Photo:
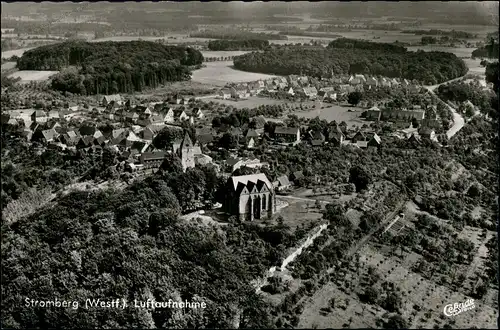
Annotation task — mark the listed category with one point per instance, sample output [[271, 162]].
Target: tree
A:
[[392, 302], [166, 137], [360, 177], [354, 98], [396, 322], [370, 296]]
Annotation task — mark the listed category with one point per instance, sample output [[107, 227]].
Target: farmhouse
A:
[[39, 116], [239, 92], [180, 115], [282, 183], [224, 94], [335, 136], [288, 134], [250, 197], [373, 114], [109, 98], [310, 92]]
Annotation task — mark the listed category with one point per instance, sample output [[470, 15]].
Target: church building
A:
[[250, 197]]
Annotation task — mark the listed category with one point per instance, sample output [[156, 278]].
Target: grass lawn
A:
[[339, 113], [299, 212], [251, 102]]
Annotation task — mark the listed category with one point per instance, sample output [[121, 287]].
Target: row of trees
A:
[[427, 67], [111, 67], [236, 35], [433, 32], [244, 44]]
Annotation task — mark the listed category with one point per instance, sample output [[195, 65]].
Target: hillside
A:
[[345, 56], [111, 67]]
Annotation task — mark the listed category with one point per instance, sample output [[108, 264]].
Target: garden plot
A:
[[428, 296], [348, 312], [299, 212]]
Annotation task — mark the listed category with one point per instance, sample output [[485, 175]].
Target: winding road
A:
[[458, 120]]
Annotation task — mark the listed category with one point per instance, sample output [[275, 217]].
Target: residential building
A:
[[109, 98], [288, 134], [402, 115], [180, 115], [224, 94], [373, 114], [39, 116], [239, 92], [310, 92], [282, 183], [250, 197], [427, 133], [152, 159]]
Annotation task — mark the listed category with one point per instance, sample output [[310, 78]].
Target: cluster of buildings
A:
[[302, 85]]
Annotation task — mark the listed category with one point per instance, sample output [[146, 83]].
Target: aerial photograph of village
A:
[[253, 165]]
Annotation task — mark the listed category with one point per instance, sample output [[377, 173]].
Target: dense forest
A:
[[352, 56], [452, 34], [248, 44], [345, 43], [236, 35], [487, 51], [111, 67]]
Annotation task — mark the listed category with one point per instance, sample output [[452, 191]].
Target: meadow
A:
[[221, 73], [339, 113], [28, 75]]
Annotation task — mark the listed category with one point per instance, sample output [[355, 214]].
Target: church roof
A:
[[250, 180]]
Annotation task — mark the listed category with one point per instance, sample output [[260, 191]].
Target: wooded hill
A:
[[111, 67], [346, 56]]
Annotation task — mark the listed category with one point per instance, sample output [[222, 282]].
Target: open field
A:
[[8, 66], [223, 53], [299, 212], [251, 102], [337, 113], [28, 75], [174, 38], [221, 73], [458, 51], [16, 52]]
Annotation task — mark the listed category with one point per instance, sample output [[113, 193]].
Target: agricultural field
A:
[[221, 73], [15, 52], [174, 38], [339, 113], [29, 75], [251, 102], [8, 66], [222, 53]]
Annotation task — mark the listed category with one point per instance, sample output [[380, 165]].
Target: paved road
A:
[[458, 120]]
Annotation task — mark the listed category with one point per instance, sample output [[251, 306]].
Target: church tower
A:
[[187, 152]]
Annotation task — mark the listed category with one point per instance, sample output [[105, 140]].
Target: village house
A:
[[310, 92], [297, 175], [371, 83], [427, 133], [250, 143], [198, 114], [335, 136], [250, 197], [224, 94], [373, 114], [287, 134], [255, 88], [316, 138], [69, 138], [44, 136], [39, 116], [152, 159], [180, 115], [109, 98], [149, 132], [282, 183], [239, 92]]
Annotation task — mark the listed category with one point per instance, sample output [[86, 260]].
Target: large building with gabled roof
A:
[[250, 197]]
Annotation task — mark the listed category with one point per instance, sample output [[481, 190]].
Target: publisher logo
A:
[[457, 308]]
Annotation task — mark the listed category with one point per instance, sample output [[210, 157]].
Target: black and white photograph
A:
[[249, 165]]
